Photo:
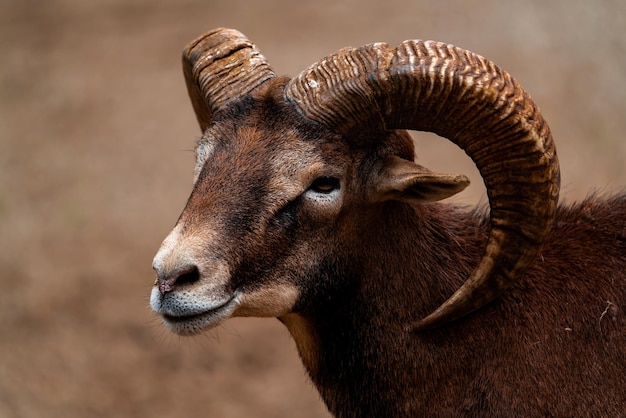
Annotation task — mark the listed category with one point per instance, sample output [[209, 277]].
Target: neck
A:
[[355, 344]]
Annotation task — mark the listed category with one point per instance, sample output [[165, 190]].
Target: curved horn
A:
[[220, 66], [461, 96]]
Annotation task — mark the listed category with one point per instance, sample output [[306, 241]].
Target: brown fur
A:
[[365, 269], [552, 346]]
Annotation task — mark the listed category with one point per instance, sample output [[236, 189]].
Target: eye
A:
[[324, 185]]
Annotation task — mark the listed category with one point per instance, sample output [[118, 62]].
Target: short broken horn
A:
[[221, 66]]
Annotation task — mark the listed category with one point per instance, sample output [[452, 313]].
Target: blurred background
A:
[[96, 161]]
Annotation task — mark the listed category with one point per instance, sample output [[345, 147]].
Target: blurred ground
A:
[[96, 134]]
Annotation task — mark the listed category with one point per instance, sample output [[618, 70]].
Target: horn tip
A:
[[441, 316]]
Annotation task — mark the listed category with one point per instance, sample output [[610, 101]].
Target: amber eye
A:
[[324, 185]]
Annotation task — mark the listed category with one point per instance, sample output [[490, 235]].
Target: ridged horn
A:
[[221, 66], [431, 86]]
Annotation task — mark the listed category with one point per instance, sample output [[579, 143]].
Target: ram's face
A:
[[276, 204], [251, 230]]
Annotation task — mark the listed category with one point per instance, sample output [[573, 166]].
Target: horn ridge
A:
[[341, 88]]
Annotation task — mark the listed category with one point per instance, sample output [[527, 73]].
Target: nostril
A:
[[188, 277], [181, 277]]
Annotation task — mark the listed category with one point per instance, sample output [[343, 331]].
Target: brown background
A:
[[96, 134]]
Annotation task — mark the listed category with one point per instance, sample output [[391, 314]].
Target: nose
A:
[[170, 280]]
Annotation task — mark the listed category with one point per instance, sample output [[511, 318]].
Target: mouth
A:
[[184, 322]]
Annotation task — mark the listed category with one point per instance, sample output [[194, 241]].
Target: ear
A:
[[403, 180]]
